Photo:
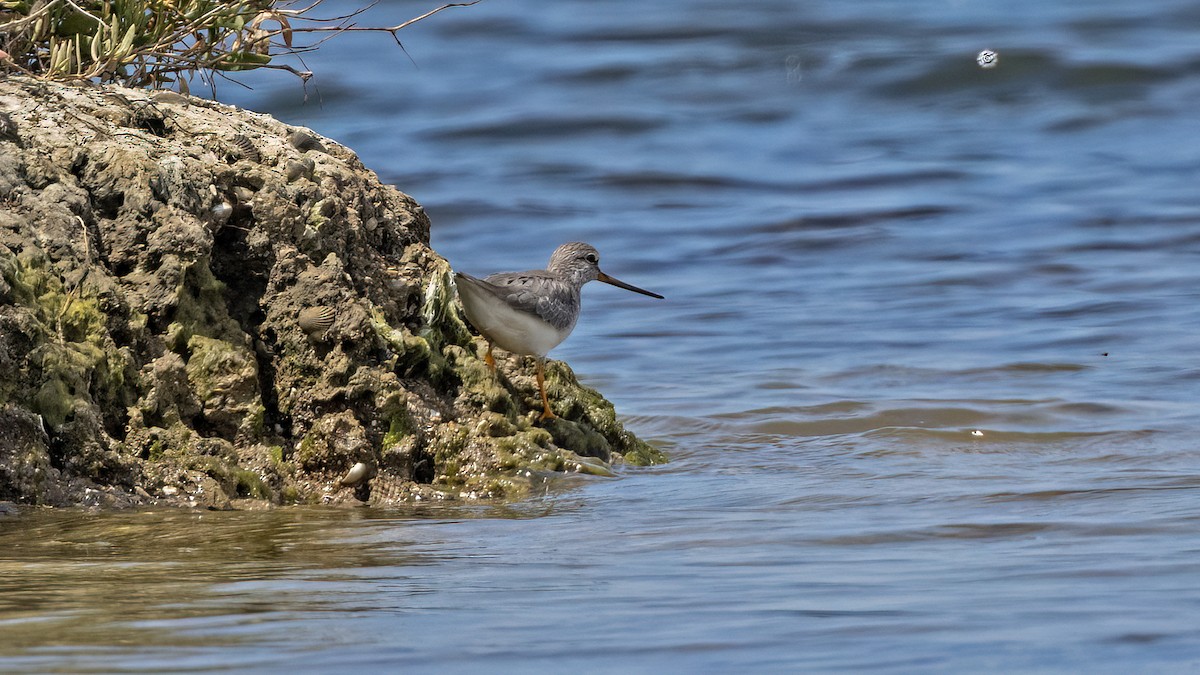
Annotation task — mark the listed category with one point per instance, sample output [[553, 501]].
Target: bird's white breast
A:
[[512, 330]]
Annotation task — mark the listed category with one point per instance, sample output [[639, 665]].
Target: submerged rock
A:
[[187, 317]]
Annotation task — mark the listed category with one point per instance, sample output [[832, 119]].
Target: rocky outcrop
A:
[[202, 305]]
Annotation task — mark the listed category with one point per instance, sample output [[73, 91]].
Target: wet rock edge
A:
[[204, 306]]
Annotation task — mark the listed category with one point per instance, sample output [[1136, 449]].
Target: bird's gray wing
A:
[[540, 293]]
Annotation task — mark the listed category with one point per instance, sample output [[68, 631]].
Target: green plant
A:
[[162, 43]]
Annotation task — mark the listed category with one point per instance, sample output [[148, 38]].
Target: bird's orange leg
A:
[[547, 414], [489, 359]]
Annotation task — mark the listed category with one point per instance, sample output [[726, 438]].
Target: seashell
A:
[[592, 466], [314, 321], [245, 148], [170, 97], [221, 213], [304, 141], [298, 169], [356, 475], [243, 195]]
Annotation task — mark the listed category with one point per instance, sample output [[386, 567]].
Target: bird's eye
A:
[[592, 258]]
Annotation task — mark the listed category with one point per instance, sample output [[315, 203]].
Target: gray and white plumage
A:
[[539, 292], [532, 312]]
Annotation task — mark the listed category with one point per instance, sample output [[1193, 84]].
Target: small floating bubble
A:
[[795, 71], [987, 59]]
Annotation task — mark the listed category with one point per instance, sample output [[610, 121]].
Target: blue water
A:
[[927, 370]]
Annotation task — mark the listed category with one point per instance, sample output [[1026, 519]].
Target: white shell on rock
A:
[[356, 475]]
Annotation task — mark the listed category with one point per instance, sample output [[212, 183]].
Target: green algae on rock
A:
[[186, 319]]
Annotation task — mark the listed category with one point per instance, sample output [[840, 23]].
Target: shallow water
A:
[[927, 368]]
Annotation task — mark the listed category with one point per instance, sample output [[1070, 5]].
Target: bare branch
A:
[[392, 29], [331, 19]]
